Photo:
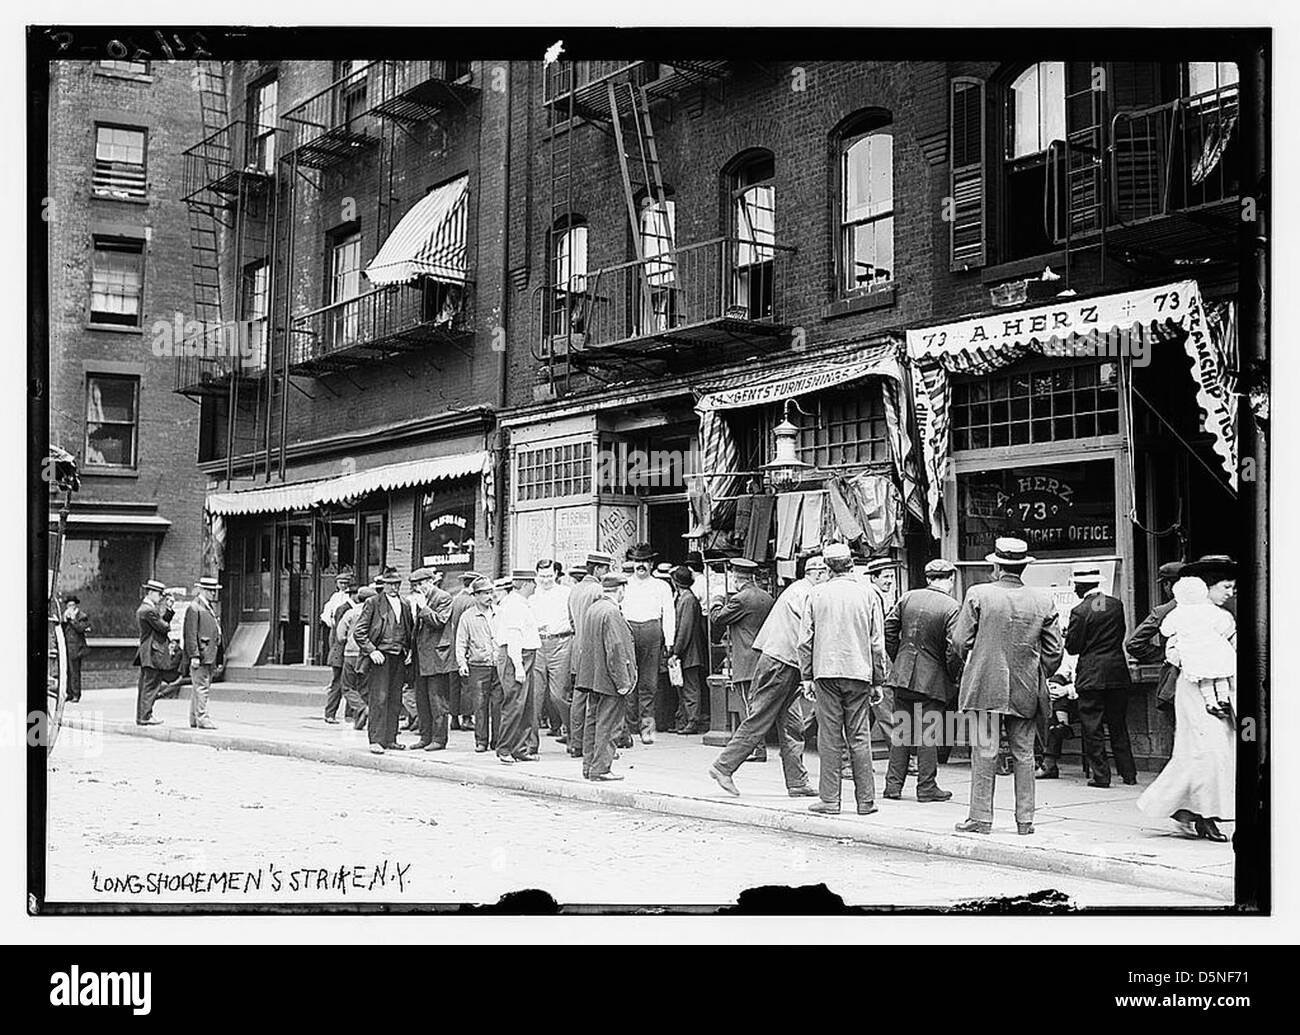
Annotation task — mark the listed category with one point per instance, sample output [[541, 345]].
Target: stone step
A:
[[302, 675]]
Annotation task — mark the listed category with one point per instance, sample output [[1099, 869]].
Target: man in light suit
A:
[[742, 615], [1009, 636], [385, 632], [153, 655], [202, 644], [918, 640], [1095, 635]]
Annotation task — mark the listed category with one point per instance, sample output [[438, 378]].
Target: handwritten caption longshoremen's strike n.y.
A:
[[388, 875]]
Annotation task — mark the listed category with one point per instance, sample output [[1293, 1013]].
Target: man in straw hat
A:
[[1009, 637], [1095, 635], [586, 592], [202, 643], [154, 617]]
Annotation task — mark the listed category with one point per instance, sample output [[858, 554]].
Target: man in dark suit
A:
[[76, 627], [607, 672], [742, 615], [1101, 678], [385, 632], [1148, 646], [584, 594], [153, 655], [201, 640], [434, 657], [690, 647], [924, 673]]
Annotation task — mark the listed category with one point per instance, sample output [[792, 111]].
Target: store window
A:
[[866, 203], [1025, 407], [117, 281], [548, 472], [446, 533], [112, 420], [106, 573], [119, 162], [1059, 509]]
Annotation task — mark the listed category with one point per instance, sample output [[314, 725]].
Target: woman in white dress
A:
[[1197, 789]]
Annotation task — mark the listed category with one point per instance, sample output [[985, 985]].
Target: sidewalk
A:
[[1081, 831]]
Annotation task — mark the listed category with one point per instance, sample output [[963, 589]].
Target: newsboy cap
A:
[[836, 552], [613, 580], [939, 567]]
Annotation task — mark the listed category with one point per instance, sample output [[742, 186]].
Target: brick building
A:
[[117, 239]]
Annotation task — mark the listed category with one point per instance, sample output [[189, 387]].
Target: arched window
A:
[[865, 249], [753, 231], [568, 279], [658, 227]]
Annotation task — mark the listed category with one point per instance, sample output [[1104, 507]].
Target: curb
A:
[[971, 847]]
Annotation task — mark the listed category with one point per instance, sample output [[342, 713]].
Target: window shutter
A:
[[967, 225]]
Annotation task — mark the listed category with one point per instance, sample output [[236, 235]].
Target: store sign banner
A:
[[802, 382]]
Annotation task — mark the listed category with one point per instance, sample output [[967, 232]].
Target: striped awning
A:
[[305, 495], [428, 242]]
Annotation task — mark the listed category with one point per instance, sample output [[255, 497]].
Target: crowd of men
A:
[[584, 656]]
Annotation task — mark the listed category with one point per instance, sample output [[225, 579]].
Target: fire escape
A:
[[363, 113], [672, 304], [230, 200]]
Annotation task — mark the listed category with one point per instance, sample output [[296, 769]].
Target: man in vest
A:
[[385, 631], [582, 596]]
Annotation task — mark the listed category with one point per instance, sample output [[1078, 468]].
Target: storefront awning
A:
[[305, 495], [429, 241], [113, 522], [880, 361], [1072, 328]]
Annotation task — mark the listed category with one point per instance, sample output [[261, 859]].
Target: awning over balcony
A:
[[305, 495], [429, 241]]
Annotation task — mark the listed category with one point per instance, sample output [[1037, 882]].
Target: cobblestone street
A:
[[283, 830]]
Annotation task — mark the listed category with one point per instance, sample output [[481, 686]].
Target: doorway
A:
[[296, 591], [667, 521]]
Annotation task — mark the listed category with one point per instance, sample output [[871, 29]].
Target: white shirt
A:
[[334, 603], [395, 602], [551, 610], [650, 600], [516, 629]]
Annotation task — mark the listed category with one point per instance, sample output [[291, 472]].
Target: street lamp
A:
[[785, 470]]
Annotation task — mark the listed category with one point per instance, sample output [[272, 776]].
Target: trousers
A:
[[517, 710], [771, 692], [691, 701], [648, 642], [578, 722], [482, 687], [384, 693], [1109, 707], [552, 673], [74, 679], [433, 706], [601, 721], [355, 690], [844, 720], [985, 743], [920, 731], [200, 687], [335, 691], [151, 680]]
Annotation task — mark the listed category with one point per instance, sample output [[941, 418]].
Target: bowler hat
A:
[[639, 552], [683, 576], [1009, 550], [613, 580]]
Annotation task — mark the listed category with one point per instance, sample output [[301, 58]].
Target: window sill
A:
[[1020, 268], [103, 195], [90, 325], [130, 77], [109, 472], [878, 299]]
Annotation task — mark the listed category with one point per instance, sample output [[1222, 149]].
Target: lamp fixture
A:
[[785, 470]]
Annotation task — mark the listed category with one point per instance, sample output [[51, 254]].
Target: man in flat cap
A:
[[476, 661], [385, 632], [742, 615], [355, 691], [340, 600], [776, 685], [1095, 635], [1009, 636], [607, 672], [517, 645], [1147, 645], [434, 657], [924, 672], [581, 597], [202, 643], [153, 616]]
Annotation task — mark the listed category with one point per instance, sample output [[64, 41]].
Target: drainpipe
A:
[[503, 312]]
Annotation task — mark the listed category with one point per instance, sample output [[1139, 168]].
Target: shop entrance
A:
[[666, 522], [296, 598]]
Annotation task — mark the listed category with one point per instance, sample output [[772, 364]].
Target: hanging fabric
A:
[[811, 521], [758, 541], [788, 508]]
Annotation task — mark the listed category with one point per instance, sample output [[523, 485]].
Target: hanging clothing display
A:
[[757, 545], [811, 521], [789, 506]]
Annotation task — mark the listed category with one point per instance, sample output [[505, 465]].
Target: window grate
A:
[[550, 472]]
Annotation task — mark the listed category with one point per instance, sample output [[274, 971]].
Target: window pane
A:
[[1038, 104], [116, 282], [106, 575], [868, 177], [869, 254], [756, 224], [111, 399]]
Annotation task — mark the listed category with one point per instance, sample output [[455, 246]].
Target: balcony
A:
[[205, 363], [412, 91], [585, 82], [1173, 176], [214, 168], [701, 302], [334, 125], [388, 321]]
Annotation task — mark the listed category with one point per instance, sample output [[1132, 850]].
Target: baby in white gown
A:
[[1202, 636]]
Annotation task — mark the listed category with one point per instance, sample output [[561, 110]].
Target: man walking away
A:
[[607, 672], [924, 670], [354, 686], [153, 655], [648, 608], [1095, 635], [202, 644], [476, 661], [552, 670], [76, 627], [583, 595], [340, 600], [517, 644], [691, 650], [742, 615], [777, 683], [1009, 637], [432, 608], [385, 632], [463, 704]]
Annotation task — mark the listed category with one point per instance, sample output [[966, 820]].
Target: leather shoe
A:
[[421, 746], [526, 758], [206, 725], [1130, 781], [151, 721], [480, 749], [605, 777], [973, 826], [376, 749], [505, 760], [825, 808], [1094, 783], [435, 747], [893, 795], [934, 796], [331, 720], [724, 781], [1024, 828], [867, 809], [802, 792], [396, 745], [758, 755], [1043, 773], [1209, 830]]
